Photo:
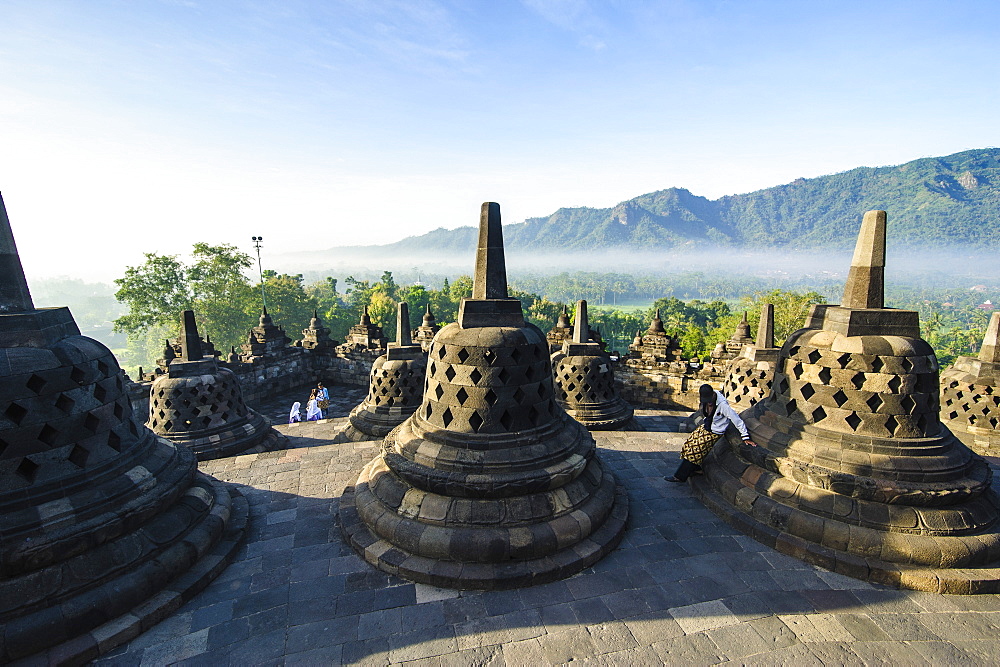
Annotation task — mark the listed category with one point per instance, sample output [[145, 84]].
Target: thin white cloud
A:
[[574, 16]]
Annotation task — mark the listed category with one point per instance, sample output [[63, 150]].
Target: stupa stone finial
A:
[[865, 286], [190, 340], [491, 268], [852, 466], [968, 394], [490, 306], [403, 337], [14, 294], [585, 381], [765, 328], [365, 317], [395, 386], [428, 320], [581, 329], [990, 350], [750, 376]]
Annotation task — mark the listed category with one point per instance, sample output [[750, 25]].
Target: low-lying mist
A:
[[916, 267]]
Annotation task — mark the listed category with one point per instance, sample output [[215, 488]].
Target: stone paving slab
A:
[[682, 588]]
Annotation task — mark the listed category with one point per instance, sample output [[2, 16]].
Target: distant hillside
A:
[[932, 203]]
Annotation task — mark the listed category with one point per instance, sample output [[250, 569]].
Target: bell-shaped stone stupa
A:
[[199, 405], [397, 379], [104, 527], [750, 375], [970, 395], [854, 470], [585, 380], [490, 484]]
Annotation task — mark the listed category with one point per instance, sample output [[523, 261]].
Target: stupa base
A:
[[253, 437], [504, 575], [142, 596], [374, 425], [739, 515], [985, 442], [608, 418]]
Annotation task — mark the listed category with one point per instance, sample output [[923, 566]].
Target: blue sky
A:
[[150, 125]]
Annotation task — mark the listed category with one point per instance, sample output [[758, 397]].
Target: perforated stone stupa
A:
[[199, 405], [105, 528], [490, 484], [395, 390], [585, 380], [970, 395], [854, 470], [749, 376]]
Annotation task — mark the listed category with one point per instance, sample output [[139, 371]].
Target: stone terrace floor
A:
[[682, 588]]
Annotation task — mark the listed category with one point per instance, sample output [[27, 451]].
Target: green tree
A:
[[155, 292], [288, 302], [213, 285]]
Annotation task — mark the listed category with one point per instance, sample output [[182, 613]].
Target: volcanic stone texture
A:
[[204, 411], [970, 395], [490, 484], [748, 381], [104, 527], [394, 393], [585, 381], [750, 375], [585, 386], [855, 471]]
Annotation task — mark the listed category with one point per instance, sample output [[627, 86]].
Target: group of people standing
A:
[[316, 407]]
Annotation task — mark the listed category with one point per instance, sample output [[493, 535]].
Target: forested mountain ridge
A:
[[932, 203]]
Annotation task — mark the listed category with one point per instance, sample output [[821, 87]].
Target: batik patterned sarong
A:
[[698, 445]]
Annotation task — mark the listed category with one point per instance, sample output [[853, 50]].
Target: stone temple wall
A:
[[653, 386], [295, 368], [657, 387]]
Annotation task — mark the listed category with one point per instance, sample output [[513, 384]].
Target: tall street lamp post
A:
[[257, 240]]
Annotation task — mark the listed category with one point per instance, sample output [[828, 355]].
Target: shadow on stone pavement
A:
[[682, 587]]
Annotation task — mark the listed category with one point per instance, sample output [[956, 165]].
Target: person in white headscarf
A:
[[293, 415], [313, 413]]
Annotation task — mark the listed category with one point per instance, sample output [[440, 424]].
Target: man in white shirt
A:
[[718, 415]]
